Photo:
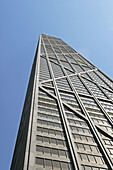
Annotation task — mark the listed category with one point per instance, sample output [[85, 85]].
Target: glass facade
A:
[[67, 119]]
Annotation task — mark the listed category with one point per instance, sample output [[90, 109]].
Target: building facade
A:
[[67, 119]]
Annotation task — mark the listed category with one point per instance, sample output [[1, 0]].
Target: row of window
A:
[[49, 123], [108, 142], [76, 122], [48, 110], [51, 141], [89, 101], [100, 121], [50, 105], [67, 97], [75, 106], [108, 109], [52, 151], [91, 105], [42, 115], [87, 148], [45, 99], [94, 114], [42, 94], [80, 130], [80, 137], [92, 158], [71, 115], [50, 131], [52, 164], [62, 83], [93, 168], [109, 129]]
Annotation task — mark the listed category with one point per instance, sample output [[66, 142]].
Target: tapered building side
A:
[[67, 117]]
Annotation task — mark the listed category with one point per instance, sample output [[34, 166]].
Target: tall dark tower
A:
[[67, 119]]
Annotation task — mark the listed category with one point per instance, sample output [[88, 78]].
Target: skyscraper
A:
[[67, 117]]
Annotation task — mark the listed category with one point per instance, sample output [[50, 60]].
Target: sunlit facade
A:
[[67, 117]]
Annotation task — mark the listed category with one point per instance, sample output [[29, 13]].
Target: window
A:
[[87, 168], [90, 139], [87, 147], [39, 138], [64, 166], [45, 139], [50, 123], [80, 146], [39, 149], [58, 133], [40, 162], [77, 137], [97, 169], [94, 149], [57, 124], [84, 157], [74, 128], [54, 152], [45, 130], [111, 151], [47, 151], [44, 122], [39, 121], [80, 130], [83, 123], [62, 153], [39, 129], [98, 159], [107, 142], [91, 158], [87, 131], [70, 166], [60, 142], [53, 141], [83, 138], [48, 163], [51, 132], [56, 165]]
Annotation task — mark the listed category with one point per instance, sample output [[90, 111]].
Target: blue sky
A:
[[86, 25]]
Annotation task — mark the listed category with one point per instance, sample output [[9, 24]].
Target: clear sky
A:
[[86, 25]]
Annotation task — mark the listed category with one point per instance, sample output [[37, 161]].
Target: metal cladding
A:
[[67, 119]]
